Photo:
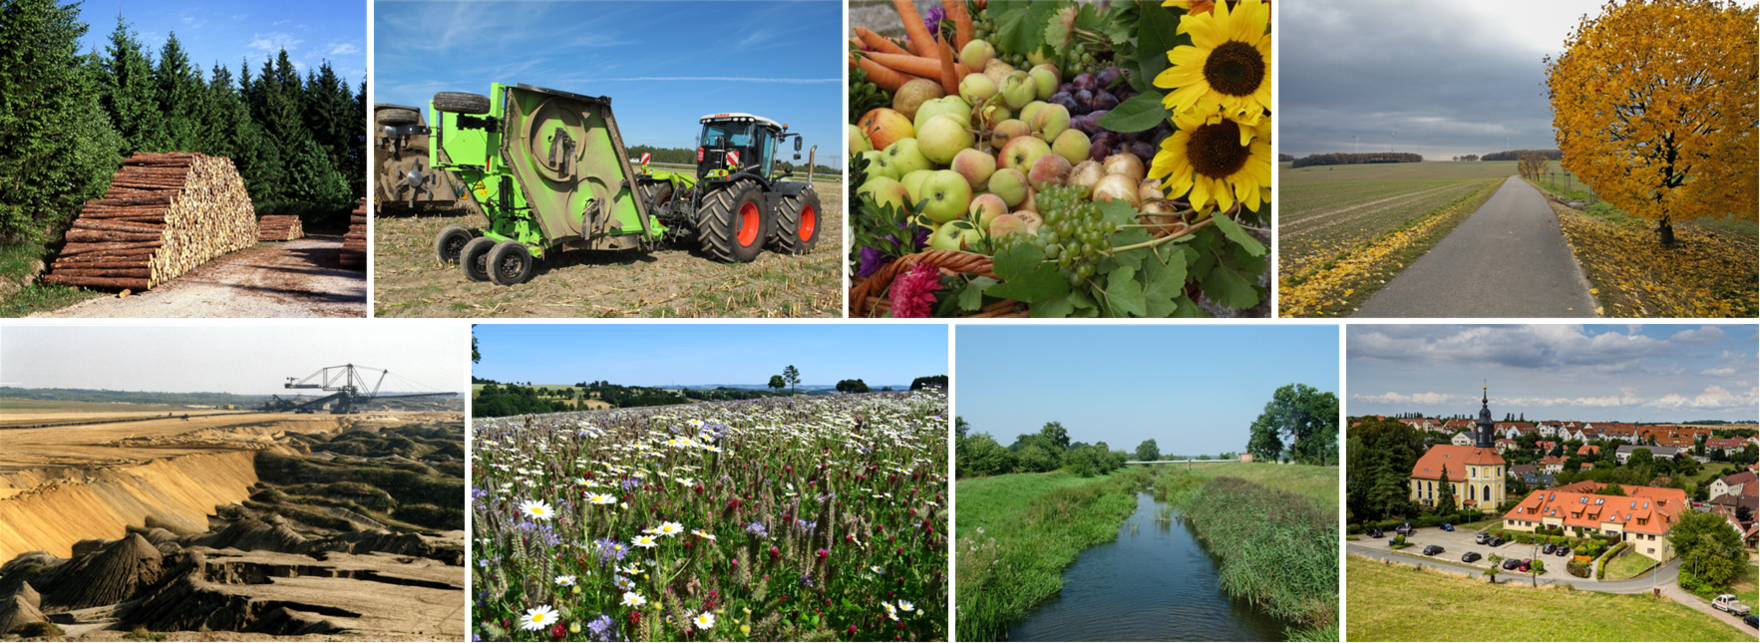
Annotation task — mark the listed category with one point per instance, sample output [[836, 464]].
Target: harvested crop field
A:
[[1328, 209], [410, 282]]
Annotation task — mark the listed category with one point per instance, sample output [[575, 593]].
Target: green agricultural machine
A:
[[550, 172]]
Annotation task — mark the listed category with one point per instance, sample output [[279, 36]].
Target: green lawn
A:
[[1627, 565], [1317, 483], [1401, 603]]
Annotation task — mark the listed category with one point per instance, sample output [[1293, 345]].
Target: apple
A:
[[885, 125], [1006, 224], [1125, 164], [1032, 202], [906, 156], [976, 54], [1021, 151], [994, 112], [1050, 121], [858, 141], [1048, 170], [1117, 186], [948, 196], [913, 94], [1008, 129], [1032, 219], [1086, 173], [1030, 110], [976, 166], [976, 88], [949, 105], [1010, 185], [1149, 189], [879, 165], [957, 235], [1045, 79], [998, 70], [1018, 90], [913, 184], [1072, 144], [985, 208], [941, 138], [1162, 217], [884, 191]]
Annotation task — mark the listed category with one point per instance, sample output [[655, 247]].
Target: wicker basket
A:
[[867, 299]]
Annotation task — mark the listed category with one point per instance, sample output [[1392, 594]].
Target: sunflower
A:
[[1191, 6], [1219, 162], [1228, 68]]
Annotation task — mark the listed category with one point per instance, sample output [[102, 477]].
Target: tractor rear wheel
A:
[[797, 223], [450, 242], [474, 258], [461, 103], [396, 116], [656, 195], [510, 263], [734, 222]]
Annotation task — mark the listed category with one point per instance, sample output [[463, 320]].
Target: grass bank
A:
[[1274, 535], [1017, 533], [1405, 603]]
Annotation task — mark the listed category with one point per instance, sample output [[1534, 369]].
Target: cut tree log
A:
[[163, 215], [279, 227], [354, 244]]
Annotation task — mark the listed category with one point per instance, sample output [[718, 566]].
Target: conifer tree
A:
[[129, 92], [178, 90]]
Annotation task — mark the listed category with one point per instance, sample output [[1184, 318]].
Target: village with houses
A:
[[1656, 509]]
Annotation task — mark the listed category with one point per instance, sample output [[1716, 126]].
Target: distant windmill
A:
[[1393, 140]]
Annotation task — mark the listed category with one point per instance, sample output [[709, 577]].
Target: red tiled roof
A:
[[1650, 510], [1454, 458], [1588, 449]]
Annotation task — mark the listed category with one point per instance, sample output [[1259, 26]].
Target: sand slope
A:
[[178, 492]]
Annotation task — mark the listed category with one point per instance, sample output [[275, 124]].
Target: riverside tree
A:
[[1653, 105], [1303, 418], [1148, 451]]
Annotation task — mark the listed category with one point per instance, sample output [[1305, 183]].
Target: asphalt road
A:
[[1509, 259]]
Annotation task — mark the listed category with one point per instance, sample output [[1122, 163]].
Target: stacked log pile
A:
[[279, 227], [354, 244], [164, 215]]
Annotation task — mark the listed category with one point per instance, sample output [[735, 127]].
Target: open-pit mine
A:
[[130, 522]]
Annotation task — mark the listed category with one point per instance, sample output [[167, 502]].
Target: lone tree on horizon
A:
[[776, 382], [1148, 451], [793, 376], [1653, 105]]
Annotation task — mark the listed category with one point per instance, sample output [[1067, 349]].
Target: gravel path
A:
[[293, 279]]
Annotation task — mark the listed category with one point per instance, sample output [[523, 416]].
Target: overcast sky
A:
[[1655, 373], [1194, 389], [1452, 77], [242, 359]]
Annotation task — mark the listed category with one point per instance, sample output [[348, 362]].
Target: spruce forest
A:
[[68, 119]]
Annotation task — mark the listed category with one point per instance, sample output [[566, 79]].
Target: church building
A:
[[1474, 472]]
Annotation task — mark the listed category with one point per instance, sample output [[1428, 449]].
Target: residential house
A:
[[1625, 452], [1513, 430], [1457, 424], [1462, 439], [1621, 432], [1532, 476], [1732, 484], [1552, 464], [1505, 444], [1589, 450], [1641, 518], [1545, 446], [1729, 447]]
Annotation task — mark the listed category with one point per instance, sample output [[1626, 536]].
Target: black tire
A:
[[450, 242], [396, 116], [656, 194], [474, 258], [461, 103], [797, 223], [734, 222], [510, 263]]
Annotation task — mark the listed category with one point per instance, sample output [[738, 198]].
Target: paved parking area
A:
[[1460, 541]]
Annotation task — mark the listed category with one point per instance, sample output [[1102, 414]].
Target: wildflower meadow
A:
[[799, 519]]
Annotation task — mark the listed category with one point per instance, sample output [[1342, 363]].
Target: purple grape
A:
[[1124, 94], [1144, 151], [1084, 81], [1097, 151], [1108, 76], [1105, 100], [1067, 88], [1085, 98], [1067, 101], [1085, 124], [1097, 114]]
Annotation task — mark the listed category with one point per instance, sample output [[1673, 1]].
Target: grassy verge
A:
[[1016, 534], [1274, 536], [1626, 565], [1406, 603], [16, 262], [1338, 286]]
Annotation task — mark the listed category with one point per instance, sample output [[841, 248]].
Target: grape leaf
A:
[[1020, 26], [1055, 307], [971, 297], [1140, 112], [1118, 211], [1025, 276], [1234, 233], [1124, 294], [1225, 285], [1157, 34], [1164, 284]]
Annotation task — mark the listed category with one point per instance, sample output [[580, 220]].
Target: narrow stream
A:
[[1155, 583]]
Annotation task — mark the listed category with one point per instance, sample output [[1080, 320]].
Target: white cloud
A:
[[1701, 336], [1391, 397], [272, 42], [1713, 397], [1725, 371], [344, 49]]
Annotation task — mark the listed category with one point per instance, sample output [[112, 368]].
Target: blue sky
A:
[[665, 354], [1192, 388], [664, 64], [1614, 373], [225, 31]]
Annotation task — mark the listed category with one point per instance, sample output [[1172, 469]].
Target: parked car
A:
[[1470, 557], [1375, 532], [1548, 548], [1511, 563], [1480, 538], [1446, 527], [1526, 564], [1433, 550], [1727, 603], [1496, 542], [1750, 620], [1404, 529], [1562, 551]]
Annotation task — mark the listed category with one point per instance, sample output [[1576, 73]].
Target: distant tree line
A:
[[1467, 157], [1516, 155], [128, 397], [1050, 449], [937, 381], [853, 386], [1285, 157], [1342, 158]]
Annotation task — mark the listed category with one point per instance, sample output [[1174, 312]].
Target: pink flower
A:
[[913, 293]]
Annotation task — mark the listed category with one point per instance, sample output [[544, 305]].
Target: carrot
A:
[[922, 43], [882, 76], [949, 70], [929, 67], [962, 22], [877, 42]]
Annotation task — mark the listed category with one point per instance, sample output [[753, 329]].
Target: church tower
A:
[[1485, 433]]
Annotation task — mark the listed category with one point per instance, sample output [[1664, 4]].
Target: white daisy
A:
[[632, 599], [704, 621], [670, 529], [645, 542], [906, 605], [600, 499], [565, 581], [702, 534], [538, 617], [537, 509]]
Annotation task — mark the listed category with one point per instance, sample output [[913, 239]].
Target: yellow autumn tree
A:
[[1531, 164], [1653, 104]]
